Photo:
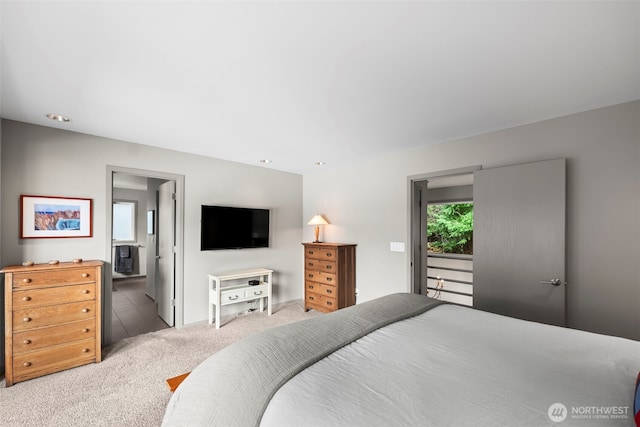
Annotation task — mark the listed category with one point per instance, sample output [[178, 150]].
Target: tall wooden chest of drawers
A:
[[329, 276], [52, 318]]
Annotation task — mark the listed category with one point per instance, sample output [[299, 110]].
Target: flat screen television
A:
[[225, 227]]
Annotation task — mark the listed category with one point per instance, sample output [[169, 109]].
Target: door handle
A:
[[157, 256], [555, 282]]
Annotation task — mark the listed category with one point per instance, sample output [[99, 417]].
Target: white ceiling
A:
[[298, 82]]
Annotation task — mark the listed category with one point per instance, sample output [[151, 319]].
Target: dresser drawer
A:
[[53, 335], [46, 361], [51, 315], [319, 265], [50, 296], [320, 253], [321, 277], [54, 277], [321, 289], [320, 302]]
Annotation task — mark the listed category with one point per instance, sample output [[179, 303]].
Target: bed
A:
[[408, 360]]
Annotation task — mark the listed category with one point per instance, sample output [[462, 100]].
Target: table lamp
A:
[[317, 220]]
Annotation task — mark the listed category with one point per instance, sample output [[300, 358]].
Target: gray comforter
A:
[[234, 386], [397, 362]]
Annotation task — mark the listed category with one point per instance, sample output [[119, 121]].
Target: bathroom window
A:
[[124, 221]]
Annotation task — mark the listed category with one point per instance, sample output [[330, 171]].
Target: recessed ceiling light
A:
[[265, 161], [320, 163], [58, 117]]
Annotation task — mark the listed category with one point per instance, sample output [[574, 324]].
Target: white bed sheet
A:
[[453, 366]]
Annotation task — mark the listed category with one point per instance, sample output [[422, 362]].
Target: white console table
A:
[[219, 296]]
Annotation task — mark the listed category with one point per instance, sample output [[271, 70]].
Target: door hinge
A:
[[173, 196], [173, 303]]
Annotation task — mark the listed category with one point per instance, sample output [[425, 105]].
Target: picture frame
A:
[[55, 217]]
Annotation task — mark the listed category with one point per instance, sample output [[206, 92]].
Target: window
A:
[[450, 228], [124, 221]]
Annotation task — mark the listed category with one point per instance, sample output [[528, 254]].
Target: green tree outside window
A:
[[450, 228]]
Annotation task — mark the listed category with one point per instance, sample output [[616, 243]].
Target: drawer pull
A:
[[85, 291], [85, 350], [85, 330], [329, 291], [85, 310], [311, 298], [27, 319], [310, 286], [310, 264], [85, 274], [329, 254], [329, 267], [26, 342], [26, 298], [235, 297], [310, 252], [27, 280], [329, 279], [257, 293], [309, 275], [329, 303], [26, 364]]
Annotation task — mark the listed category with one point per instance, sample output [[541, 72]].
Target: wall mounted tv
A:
[[225, 227]]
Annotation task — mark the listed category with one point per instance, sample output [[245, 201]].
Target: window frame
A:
[[133, 219]]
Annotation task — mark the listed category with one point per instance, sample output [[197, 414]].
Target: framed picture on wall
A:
[[50, 217]]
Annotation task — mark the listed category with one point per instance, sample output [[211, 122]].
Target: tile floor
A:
[[134, 313]]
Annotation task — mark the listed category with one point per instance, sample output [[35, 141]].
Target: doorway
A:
[[519, 238], [139, 292], [442, 270]]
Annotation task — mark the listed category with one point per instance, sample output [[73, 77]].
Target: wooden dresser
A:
[[52, 318], [329, 276]]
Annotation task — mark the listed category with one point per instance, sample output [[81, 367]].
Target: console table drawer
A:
[[258, 291], [231, 296], [244, 293]]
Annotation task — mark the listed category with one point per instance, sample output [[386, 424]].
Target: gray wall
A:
[[44, 161], [367, 203]]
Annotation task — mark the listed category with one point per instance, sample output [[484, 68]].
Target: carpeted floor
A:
[[128, 387]]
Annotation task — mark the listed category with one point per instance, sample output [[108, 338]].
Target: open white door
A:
[[519, 241], [165, 279]]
